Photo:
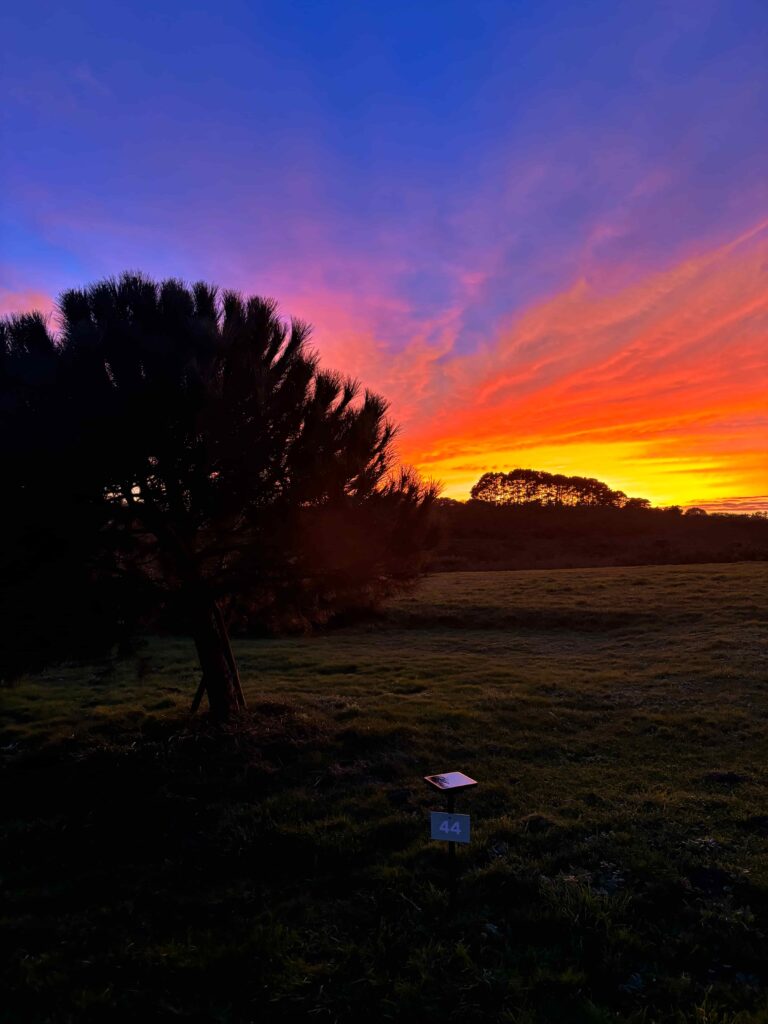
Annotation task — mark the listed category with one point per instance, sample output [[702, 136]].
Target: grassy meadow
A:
[[616, 719]]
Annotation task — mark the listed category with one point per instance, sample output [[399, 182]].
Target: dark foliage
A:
[[179, 449], [535, 487], [480, 535], [52, 600]]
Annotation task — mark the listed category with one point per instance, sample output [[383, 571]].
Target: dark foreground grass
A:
[[617, 720]]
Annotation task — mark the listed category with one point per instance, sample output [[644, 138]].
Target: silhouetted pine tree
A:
[[194, 452]]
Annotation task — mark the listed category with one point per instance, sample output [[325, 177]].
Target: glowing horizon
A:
[[688, 380], [707, 452]]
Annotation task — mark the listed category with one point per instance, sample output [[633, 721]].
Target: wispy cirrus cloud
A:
[[738, 506], [659, 386]]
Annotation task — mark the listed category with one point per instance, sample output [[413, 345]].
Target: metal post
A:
[[450, 783], [451, 861]]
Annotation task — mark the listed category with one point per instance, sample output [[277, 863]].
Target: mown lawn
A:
[[617, 720]]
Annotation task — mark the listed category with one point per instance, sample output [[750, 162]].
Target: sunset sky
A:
[[539, 228]]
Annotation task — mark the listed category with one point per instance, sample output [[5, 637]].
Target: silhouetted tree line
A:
[[536, 487], [179, 452], [479, 535]]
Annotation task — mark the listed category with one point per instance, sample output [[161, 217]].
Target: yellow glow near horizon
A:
[[627, 466], [659, 387]]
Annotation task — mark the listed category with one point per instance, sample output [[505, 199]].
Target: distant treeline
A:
[[536, 487], [477, 535]]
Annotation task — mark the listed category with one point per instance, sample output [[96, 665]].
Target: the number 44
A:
[[448, 827]]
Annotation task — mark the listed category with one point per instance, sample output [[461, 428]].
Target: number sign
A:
[[451, 828]]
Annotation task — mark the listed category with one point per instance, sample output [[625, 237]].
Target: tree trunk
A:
[[220, 677], [222, 626]]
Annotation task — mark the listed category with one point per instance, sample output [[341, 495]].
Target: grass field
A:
[[617, 720]]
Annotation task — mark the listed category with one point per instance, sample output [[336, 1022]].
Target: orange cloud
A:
[[659, 387]]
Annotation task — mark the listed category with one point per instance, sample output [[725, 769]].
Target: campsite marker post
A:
[[448, 826]]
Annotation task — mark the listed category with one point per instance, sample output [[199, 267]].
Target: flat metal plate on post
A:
[[451, 828], [450, 781]]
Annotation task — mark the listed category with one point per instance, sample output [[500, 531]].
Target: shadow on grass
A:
[[279, 870]]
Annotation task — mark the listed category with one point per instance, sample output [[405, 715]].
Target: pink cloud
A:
[[658, 383], [653, 384], [24, 301]]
